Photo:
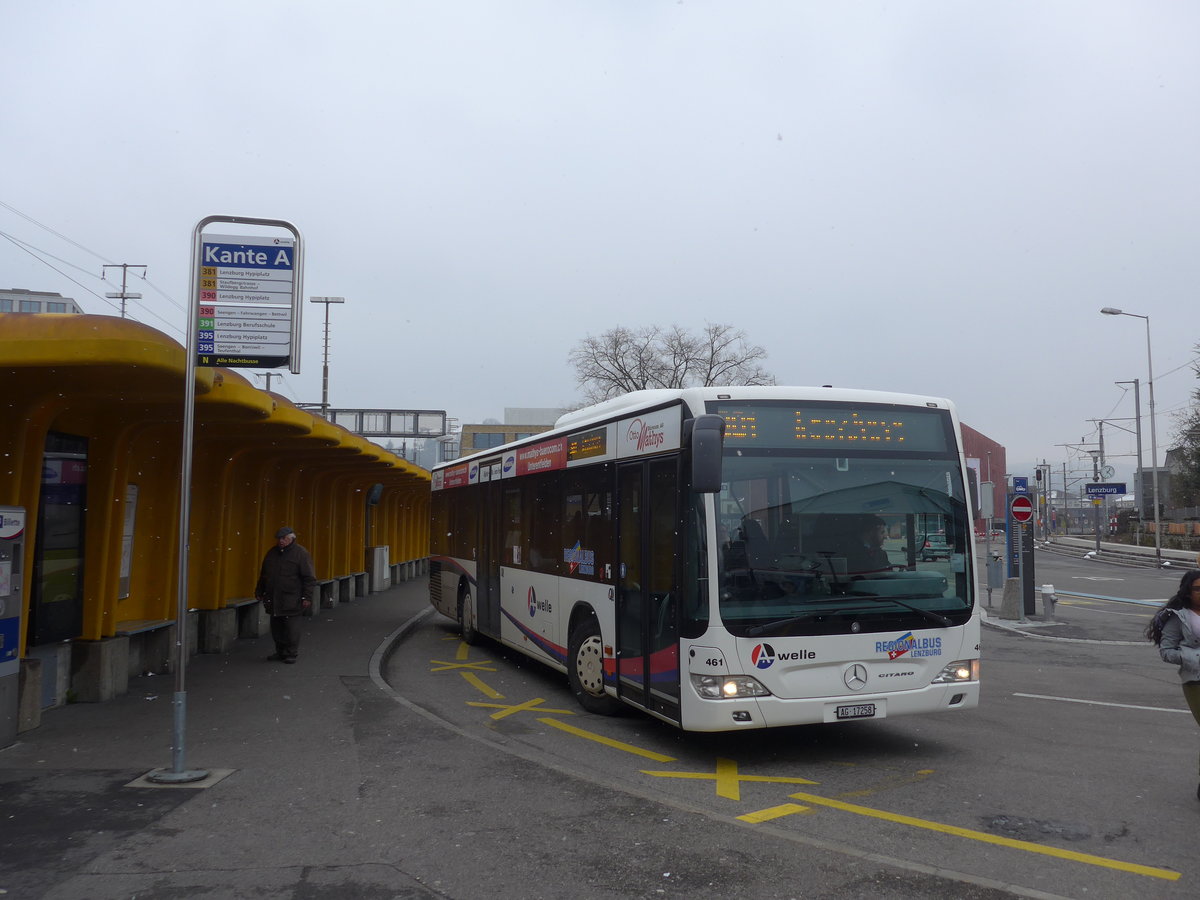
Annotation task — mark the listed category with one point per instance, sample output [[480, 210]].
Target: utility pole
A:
[[1096, 455], [268, 376], [1082, 494], [325, 367], [1102, 509], [1049, 495], [1067, 499], [1106, 471], [124, 295], [1110, 311], [1043, 480], [1139, 488]]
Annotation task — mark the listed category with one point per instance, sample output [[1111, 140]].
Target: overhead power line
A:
[[20, 246], [57, 234], [42, 255]]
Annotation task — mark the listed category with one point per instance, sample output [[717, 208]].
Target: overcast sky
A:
[[932, 197]]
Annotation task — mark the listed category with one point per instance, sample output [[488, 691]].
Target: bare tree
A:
[[726, 358], [623, 359], [1185, 480]]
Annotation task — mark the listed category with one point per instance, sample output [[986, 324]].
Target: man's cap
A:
[[283, 532]]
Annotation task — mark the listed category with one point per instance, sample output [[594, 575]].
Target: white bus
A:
[[724, 558]]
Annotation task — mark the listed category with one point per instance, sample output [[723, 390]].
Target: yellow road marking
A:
[[920, 776], [478, 683], [728, 781], [440, 665], [506, 710], [774, 812], [607, 741], [1029, 846]]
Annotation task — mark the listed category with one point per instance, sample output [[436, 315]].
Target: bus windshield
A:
[[812, 544]]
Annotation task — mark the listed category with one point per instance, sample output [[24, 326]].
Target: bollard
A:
[[1048, 600], [1011, 606]]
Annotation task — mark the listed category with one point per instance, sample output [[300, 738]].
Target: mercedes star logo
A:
[[856, 677]]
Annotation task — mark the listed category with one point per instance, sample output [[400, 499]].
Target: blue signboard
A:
[[1101, 489], [1020, 484], [273, 253]]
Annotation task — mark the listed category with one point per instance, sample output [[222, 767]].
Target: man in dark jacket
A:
[[285, 586]]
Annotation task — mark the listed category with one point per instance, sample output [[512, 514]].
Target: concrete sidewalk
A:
[[71, 827]]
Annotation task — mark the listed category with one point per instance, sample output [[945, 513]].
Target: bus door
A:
[[490, 559], [647, 593]]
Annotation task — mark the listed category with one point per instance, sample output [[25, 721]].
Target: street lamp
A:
[[1110, 311]]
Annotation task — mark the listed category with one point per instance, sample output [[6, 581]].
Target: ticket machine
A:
[[12, 549]]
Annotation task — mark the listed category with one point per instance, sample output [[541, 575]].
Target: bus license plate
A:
[[858, 711]]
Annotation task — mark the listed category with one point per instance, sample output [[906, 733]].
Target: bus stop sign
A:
[[1022, 508]]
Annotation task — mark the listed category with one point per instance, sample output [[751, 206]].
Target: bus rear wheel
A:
[[466, 624], [585, 669]]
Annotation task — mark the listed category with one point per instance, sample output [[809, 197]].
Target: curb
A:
[[1002, 625]]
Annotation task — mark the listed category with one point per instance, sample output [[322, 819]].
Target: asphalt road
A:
[[1096, 600], [1075, 777], [473, 774]]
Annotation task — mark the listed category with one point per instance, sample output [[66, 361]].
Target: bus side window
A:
[[590, 494], [513, 534], [542, 526]]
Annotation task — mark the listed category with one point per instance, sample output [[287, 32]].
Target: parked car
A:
[[935, 547]]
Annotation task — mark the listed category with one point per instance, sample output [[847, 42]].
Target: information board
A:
[[247, 295]]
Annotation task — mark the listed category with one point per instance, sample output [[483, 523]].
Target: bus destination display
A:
[[587, 444], [834, 426]]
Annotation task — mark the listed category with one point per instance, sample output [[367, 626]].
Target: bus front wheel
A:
[[585, 669], [466, 624]]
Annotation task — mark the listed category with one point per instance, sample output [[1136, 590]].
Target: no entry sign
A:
[[1022, 508]]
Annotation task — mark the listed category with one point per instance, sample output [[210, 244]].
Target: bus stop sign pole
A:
[[179, 773]]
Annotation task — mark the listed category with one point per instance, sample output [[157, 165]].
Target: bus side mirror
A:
[[707, 440], [973, 483]]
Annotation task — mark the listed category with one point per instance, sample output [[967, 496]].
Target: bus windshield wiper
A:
[[927, 613]]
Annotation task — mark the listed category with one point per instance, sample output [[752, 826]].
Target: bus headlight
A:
[[728, 687], [963, 670]]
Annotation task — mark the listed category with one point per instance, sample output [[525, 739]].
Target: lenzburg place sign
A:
[[1102, 489]]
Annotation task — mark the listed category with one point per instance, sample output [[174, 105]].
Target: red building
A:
[[988, 460]]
